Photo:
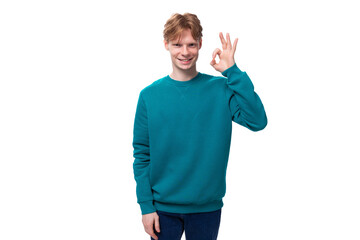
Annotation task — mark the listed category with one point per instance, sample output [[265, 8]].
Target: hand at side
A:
[[148, 221]]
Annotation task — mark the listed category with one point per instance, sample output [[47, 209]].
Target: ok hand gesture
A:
[[226, 56]]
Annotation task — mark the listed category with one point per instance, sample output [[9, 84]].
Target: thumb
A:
[[157, 224]]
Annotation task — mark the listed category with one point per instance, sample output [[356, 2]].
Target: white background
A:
[[71, 73]]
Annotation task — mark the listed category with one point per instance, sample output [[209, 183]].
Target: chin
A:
[[185, 67]]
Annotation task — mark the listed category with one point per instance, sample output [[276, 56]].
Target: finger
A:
[[157, 224], [228, 40], [223, 42], [213, 62], [235, 43], [150, 231], [216, 51], [153, 235]]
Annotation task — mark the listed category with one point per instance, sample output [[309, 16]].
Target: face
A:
[[184, 51]]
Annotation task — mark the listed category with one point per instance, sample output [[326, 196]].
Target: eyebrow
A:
[[188, 43]]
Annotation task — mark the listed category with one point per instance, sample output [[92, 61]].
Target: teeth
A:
[[184, 59]]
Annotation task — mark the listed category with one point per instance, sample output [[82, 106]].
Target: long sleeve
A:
[[142, 158], [245, 105]]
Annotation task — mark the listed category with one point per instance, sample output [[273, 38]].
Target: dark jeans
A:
[[197, 226]]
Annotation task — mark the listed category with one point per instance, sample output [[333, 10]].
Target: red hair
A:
[[178, 22]]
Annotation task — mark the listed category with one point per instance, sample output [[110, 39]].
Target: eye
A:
[[176, 45]]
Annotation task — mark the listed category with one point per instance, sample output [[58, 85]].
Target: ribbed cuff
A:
[[231, 69], [147, 207]]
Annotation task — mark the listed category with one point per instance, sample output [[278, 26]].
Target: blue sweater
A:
[[182, 135]]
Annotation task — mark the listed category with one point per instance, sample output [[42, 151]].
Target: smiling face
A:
[[184, 51]]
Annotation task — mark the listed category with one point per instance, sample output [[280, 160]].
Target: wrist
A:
[[228, 68]]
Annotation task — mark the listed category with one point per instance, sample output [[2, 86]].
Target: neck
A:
[[183, 75]]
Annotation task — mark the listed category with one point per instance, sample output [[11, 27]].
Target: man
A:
[[182, 134]]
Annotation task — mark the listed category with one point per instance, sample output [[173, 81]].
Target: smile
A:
[[185, 60]]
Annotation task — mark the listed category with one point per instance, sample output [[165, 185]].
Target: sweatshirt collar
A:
[[168, 79]]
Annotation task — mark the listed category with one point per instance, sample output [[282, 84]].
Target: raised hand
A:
[[226, 56]]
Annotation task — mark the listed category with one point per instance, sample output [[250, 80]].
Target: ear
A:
[[200, 43], [166, 45]]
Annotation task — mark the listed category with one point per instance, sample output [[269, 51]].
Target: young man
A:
[[182, 135]]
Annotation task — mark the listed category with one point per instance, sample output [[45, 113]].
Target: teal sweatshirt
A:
[[182, 135]]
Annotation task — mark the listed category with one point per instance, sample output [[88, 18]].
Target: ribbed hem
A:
[[193, 208], [147, 207], [231, 69]]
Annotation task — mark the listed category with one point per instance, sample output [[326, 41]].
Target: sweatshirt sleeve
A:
[[245, 105], [142, 158]]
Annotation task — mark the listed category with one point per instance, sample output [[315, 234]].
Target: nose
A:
[[184, 50]]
